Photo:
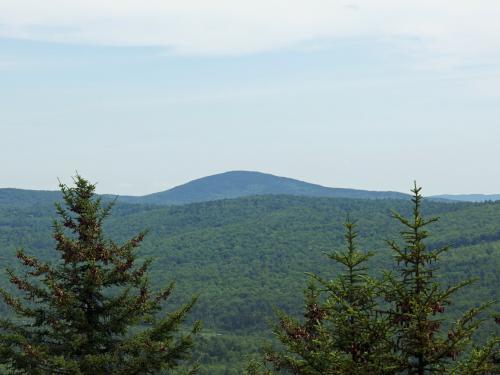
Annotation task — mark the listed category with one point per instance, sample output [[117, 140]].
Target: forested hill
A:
[[237, 184], [227, 185], [27, 198], [234, 184], [243, 256], [469, 197]]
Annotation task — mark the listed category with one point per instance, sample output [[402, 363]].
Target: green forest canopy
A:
[[246, 256]]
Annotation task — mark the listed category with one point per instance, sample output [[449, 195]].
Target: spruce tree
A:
[[93, 311], [424, 342], [343, 331]]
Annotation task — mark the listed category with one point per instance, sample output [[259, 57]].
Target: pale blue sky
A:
[[143, 108]]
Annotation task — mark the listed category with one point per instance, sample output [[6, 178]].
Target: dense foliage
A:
[[248, 255], [75, 316], [344, 330], [423, 344], [350, 332]]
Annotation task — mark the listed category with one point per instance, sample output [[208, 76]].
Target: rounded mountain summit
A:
[[236, 184]]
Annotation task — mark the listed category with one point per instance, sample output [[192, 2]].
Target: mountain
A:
[[468, 197], [236, 184], [26, 198]]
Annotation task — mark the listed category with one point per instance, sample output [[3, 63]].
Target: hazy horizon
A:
[[290, 177], [142, 97]]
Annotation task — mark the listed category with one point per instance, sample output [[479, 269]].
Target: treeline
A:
[[248, 256], [357, 324]]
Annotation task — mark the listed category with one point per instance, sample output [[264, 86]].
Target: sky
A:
[[141, 96]]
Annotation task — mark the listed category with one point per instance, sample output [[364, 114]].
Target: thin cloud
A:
[[465, 29]]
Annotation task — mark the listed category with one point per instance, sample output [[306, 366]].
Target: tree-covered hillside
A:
[[469, 197], [245, 256], [228, 185], [26, 198], [236, 184]]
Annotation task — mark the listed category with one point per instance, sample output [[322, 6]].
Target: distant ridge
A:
[[26, 198], [230, 185], [236, 184], [468, 197]]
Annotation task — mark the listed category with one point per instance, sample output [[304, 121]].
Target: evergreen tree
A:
[[75, 316], [344, 331], [423, 342]]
